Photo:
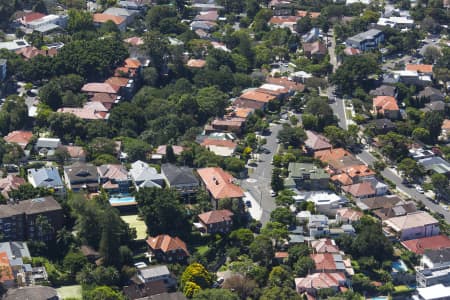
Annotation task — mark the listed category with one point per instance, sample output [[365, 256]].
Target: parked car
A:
[[248, 203], [140, 265], [273, 193], [419, 189]]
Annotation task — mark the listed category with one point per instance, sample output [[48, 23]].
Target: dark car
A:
[[248, 203]]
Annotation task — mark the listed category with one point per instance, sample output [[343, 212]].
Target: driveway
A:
[[258, 183], [369, 159]]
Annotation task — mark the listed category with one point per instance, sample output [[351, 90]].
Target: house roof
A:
[[118, 81], [421, 68], [343, 179], [51, 143], [384, 90], [220, 183], [435, 163], [135, 41], [104, 98], [383, 103], [438, 255], [242, 112], [9, 183], [103, 18], [316, 47], [6, 273], [419, 246], [20, 137], [211, 15], [325, 261], [30, 207], [151, 272], [446, 124], [429, 91], [331, 154], [166, 243], [413, 220], [379, 202], [15, 251], [358, 171], [215, 216], [319, 281], [229, 122], [179, 175], [86, 112], [359, 189], [239, 102], [113, 171], [132, 63], [45, 177], [395, 211], [286, 82], [283, 19], [98, 87], [219, 143], [81, 172], [30, 52], [311, 14], [324, 246], [349, 214], [257, 96], [31, 16], [76, 151], [141, 171], [177, 150], [435, 106], [316, 141], [31, 292], [351, 51]]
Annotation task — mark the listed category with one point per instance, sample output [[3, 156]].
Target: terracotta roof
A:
[[382, 103], [419, 246], [446, 124], [358, 171], [6, 273], [319, 281], [324, 261], [284, 81], [196, 63], [219, 143], [32, 16], [103, 18], [132, 63], [343, 178], [20, 137], [316, 47], [118, 81], [211, 15], [324, 246], [113, 171], [349, 214], [304, 13], [413, 220], [135, 41], [239, 102], [215, 216], [242, 112], [359, 189], [166, 243], [9, 183], [231, 122], [104, 98], [30, 52], [257, 96], [98, 87], [421, 68], [90, 111], [332, 154], [316, 141], [281, 254], [283, 19], [351, 51], [220, 183], [177, 150]]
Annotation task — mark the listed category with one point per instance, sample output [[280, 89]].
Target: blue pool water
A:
[[379, 298], [128, 200], [399, 266]]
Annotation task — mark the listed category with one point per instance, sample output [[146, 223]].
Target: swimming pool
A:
[[399, 266], [379, 298], [122, 201]]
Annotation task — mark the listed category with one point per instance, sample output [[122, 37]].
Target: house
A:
[[310, 14], [93, 110], [181, 179], [233, 124], [312, 283], [435, 258], [156, 273], [279, 91], [18, 220], [384, 90], [412, 226], [328, 263], [287, 83], [435, 164], [138, 290], [395, 211], [348, 215], [47, 146], [289, 22], [206, 26], [47, 177], [167, 248], [96, 87], [360, 190], [325, 202], [336, 158], [431, 277], [211, 15], [6, 273], [32, 292], [419, 245], [311, 36], [216, 221], [14, 45], [359, 173], [318, 226], [307, 176], [445, 131], [316, 142], [3, 69], [420, 68], [386, 106], [219, 184], [412, 77], [349, 51], [124, 82], [396, 22], [10, 183], [114, 178], [90, 253], [221, 148], [435, 106], [145, 176], [315, 49], [346, 229], [324, 246], [19, 137], [128, 14], [434, 292], [366, 40], [120, 22], [162, 150], [431, 94], [254, 99], [76, 153], [196, 63], [382, 126], [81, 176]]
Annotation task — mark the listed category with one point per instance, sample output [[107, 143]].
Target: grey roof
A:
[[165, 296], [47, 28], [296, 239], [436, 164], [383, 123], [179, 175], [379, 202], [366, 35], [15, 249], [46, 177], [119, 11], [300, 169], [429, 92], [51, 143], [81, 172], [435, 106], [32, 293], [154, 271], [384, 90], [30, 207], [141, 171], [438, 255]]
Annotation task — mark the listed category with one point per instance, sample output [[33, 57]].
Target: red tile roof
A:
[[349, 214], [166, 243], [76, 151], [215, 216], [362, 189], [219, 143], [324, 246], [117, 81], [30, 17], [421, 68], [286, 82], [6, 273], [103, 18], [257, 96], [220, 183], [30, 52], [358, 171], [332, 154], [318, 281], [20, 137], [196, 63], [132, 63], [324, 261], [281, 254], [9, 183], [304, 13], [135, 41], [383, 103], [283, 19], [98, 87], [342, 178], [419, 246], [177, 150], [316, 141]]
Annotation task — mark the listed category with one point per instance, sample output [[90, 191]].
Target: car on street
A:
[[248, 203], [419, 189], [140, 265], [273, 193]]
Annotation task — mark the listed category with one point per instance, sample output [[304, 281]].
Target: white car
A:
[[419, 189], [273, 193], [140, 265]]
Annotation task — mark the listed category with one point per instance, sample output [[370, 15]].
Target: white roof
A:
[[438, 291], [271, 87], [14, 45], [321, 198]]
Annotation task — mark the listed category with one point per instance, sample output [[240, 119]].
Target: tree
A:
[[292, 136], [411, 169], [195, 278], [432, 120], [394, 146], [40, 7], [280, 293], [102, 293], [211, 102], [279, 276], [421, 134], [261, 250], [13, 114], [440, 183], [277, 183], [320, 109], [110, 238], [79, 20], [215, 294], [303, 266], [241, 284], [74, 262], [242, 238], [297, 251], [283, 215]]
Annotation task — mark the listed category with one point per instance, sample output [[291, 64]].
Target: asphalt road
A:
[[369, 159], [260, 177]]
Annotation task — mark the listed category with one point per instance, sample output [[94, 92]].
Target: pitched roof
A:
[[81, 172], [141, 171], [446, 124], [351, 51], [98, 87], [220, 183], [350, 214], [103, 18], [215, 216], [113, 171], [331, 154], [177, 150], [239, 102], [283, 19], [311, 14], [380, 202], [359, 189], [211, 15], [316, 47], [358, 171], [343, 179], [324, 246], [135, 41], [219, 143], [196, 63], [29, 207], [324, 261], [166, 243], [45, 177], [438, 255], [319, 281], [132, 63], [286, 82], [6, 273], [9, 183], [179, 175], [421, 68], [382, 103], [419, 246], [413, 220], [31, 16], [76, 151], [395, 211], [316, 141], [20, 137], [384, 90], [257, 96], [85, 113], [31, 292], [30, 52]]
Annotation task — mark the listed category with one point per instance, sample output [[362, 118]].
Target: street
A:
[[366, 157], [258, 182]]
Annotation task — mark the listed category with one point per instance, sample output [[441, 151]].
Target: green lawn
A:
[[71, 291], [139, 225], [202, 249]]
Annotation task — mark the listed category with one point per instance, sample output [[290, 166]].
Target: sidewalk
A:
[[255, 211]]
